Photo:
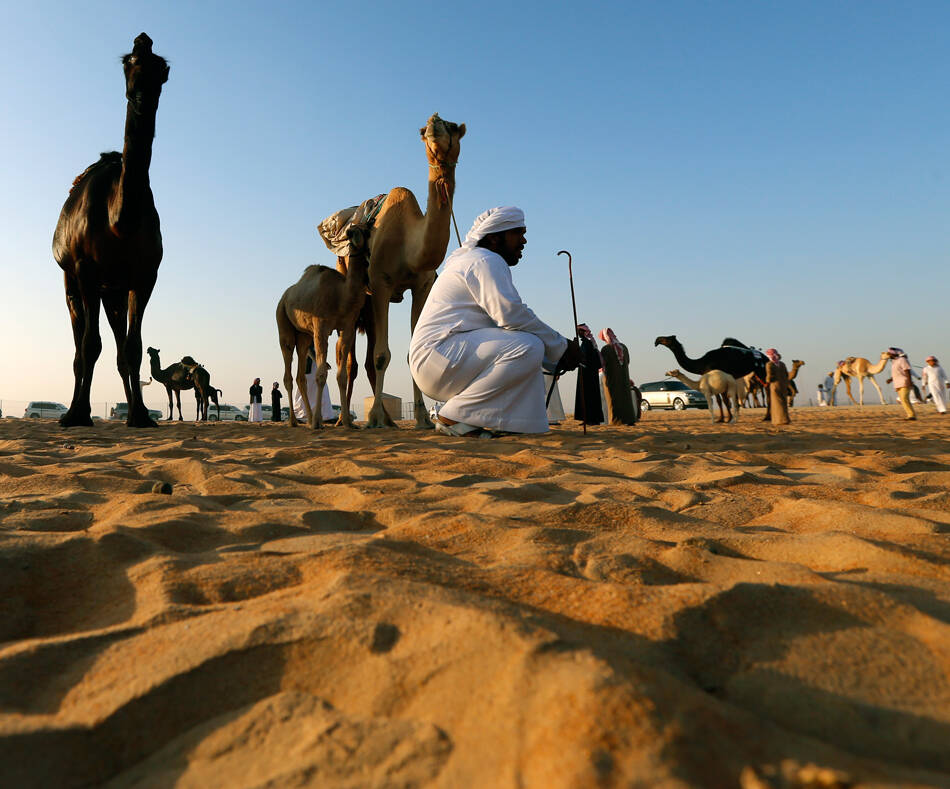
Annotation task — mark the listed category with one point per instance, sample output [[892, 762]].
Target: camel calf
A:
[[714, 383], [321, 302], [204, 391]]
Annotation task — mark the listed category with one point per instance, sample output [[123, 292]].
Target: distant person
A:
[[901, 377], [776, 379], [275, 398], [934, 381], [477, 346], [616, 365], [254, 413], [588, 394]]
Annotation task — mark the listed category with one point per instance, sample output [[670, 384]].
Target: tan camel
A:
[[405, 249], [792, 386], [860, 368], [715, 383], [321, 302]]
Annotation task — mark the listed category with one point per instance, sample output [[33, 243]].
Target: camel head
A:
[[671, 373], [442, 141], [797, 363], [152, 351], [145, 73], [669, 342], [885, 355]]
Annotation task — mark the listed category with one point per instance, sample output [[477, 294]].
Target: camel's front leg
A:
[[88, 348], [320, 339], [303, 349], [377, 416], [287, 351], [419, 295], [138, 301], [178, 403], [883, 399], [345, 357]]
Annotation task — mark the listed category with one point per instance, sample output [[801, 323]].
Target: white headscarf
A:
[[494, 220]]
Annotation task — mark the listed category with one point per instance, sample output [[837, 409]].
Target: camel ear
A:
[[461, 130], [422, 132]]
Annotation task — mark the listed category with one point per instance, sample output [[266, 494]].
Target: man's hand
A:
[[571, 358]]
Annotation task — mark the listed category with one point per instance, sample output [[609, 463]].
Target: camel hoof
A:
[[146, 422], [70, 419]]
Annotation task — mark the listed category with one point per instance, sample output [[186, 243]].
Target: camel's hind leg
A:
[[83, 300], [287, 351], [377, 416]]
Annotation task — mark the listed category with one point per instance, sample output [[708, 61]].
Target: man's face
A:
[[512, 245]]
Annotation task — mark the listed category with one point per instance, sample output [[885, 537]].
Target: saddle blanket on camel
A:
[[333, 229]]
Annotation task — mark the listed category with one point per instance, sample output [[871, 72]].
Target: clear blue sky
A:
[[774, 172]]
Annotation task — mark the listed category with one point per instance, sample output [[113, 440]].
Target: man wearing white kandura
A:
[[934, 380], [477, 346]]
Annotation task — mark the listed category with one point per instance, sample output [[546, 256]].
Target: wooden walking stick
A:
[[570, 274]]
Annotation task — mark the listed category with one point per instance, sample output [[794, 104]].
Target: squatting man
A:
[[477, 346]]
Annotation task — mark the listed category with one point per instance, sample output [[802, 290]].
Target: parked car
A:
[[120, 412], [44, 409], [670, 394], [336, 410], [228, 413]]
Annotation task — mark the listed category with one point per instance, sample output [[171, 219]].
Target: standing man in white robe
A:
[[934, 380], [477, 346]]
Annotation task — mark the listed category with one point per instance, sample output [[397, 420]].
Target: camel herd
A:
[[108, 243]]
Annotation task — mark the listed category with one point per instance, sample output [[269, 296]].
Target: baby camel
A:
[[324, 301], [204, 391], [713, 383]]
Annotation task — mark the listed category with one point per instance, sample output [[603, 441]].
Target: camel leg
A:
[[171, 405], [735, 403], [377, 416], [883, 400], [303, 348], [178, 402], [344, 355], [861, 390], [321, 340], [287, 351], [712, 410], [419, 295], [77, 317], [116, 305], [138, 301], [79, 412], [724, 400]]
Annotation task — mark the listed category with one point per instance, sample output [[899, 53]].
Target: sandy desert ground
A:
[[669, 605]]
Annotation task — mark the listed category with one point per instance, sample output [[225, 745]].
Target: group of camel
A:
[[108, 243]]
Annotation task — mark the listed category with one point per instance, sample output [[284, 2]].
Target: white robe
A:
[[478, 348], [555, 408], [326, 413], [934, 380], [254, 413]]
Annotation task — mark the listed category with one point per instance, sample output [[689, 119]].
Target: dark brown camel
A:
[[108, 243], [204, 391], [176, 377]]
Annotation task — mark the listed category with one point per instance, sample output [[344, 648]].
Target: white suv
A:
[[43, 409], [228, 412]]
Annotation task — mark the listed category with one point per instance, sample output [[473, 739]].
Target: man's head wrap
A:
[[773, 355], [494, 220], [608, 336], [894, 352], [932, 359]]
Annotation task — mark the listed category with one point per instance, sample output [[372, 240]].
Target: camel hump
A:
[[107, 159], [733, 342]]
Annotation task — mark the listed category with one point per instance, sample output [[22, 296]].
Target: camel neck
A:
[[155, 367], [435, 236], [684, 361], [136, 159]]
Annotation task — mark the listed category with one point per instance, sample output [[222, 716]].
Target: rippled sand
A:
[[674, 604]]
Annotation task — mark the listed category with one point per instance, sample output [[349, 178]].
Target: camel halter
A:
[[443, 188]]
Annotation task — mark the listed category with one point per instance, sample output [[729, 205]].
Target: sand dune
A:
[[675, 604]]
